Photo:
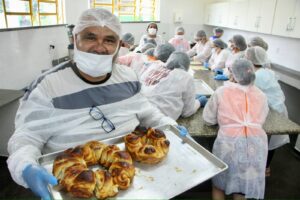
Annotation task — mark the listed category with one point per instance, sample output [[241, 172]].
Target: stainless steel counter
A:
[[275, 123]]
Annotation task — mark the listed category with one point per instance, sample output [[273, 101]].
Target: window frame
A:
[[35, 15], [137, 17]]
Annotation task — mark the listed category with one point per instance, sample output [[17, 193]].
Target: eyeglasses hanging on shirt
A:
[[106, 124]]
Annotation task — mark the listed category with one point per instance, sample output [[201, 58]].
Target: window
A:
[[24, 13], [130, 10]]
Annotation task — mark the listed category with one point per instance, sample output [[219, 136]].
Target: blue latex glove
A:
[[183, 131], [218, 71], [202, 99], [37, 179], [206, 65], [221, 77]]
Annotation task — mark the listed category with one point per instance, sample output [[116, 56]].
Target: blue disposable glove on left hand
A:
[[221, 77], [218, 71], [183, 131], [37, 179], [202, 99]]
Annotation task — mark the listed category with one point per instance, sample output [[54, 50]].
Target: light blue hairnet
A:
[[240, 42], [179, 29], [243, 71], [128, 38], [163, 51], [219, 43], [257, 55], [98, 17], [178, 60], [258, 41], [200, 34], [147, 46], [149, 52]]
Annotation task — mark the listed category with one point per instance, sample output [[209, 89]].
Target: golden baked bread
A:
[[147, 146], [71, 170]]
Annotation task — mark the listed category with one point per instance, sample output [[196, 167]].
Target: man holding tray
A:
[[88, 98]]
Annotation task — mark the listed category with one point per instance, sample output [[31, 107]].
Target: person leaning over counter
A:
[[240, 109], [202, 50], [89, 98]]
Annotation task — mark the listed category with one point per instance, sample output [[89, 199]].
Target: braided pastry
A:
[[150, 146], [71, 170]]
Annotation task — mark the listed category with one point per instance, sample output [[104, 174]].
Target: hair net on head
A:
[[98, 17], [243, 71], [257, 55], [128, 38], [179, 29], [163, 51], [219, 43], [218, 30], [258, 41], [178, 60], [151, 24], [239, 42], [149, 52], [147, 46], [200, 34]]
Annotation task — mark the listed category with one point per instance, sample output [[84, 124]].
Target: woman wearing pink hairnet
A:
[[240, 109]]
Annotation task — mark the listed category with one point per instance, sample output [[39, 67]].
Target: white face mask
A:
[[152, 31], [94, 65], [179, 37]]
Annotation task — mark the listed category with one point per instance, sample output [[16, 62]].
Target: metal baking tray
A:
[[186, 165], [202, 88]]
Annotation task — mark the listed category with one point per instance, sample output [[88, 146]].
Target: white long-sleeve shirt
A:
[[145, 39], [172, 91], [55, 114], [201, 51], [218, 60]]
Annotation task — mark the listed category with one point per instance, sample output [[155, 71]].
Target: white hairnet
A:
[[179, 29], [200, 34], [257, 55], [178, 60], [243, 71], [240, 42], [98, 17], [147, 46], [163, 51], [128, 38], [258, 41], [219, 43]]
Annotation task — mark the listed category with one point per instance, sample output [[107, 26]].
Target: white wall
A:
[[73, 8], [25, 53]]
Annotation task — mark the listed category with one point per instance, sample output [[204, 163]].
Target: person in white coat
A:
[[89, 98], [179, 42], [171, 88], [202, 50], [219, 55], [151, 36], [237, 46], [240, 109], [127, 44], [267, 81]]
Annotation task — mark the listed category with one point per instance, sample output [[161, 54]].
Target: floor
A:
[[284, 182]]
